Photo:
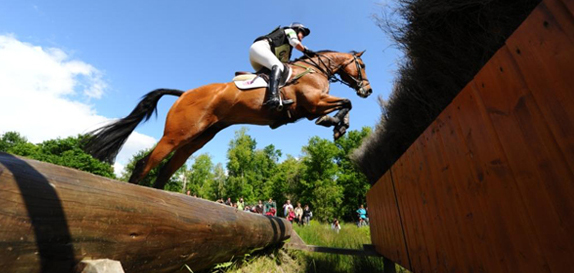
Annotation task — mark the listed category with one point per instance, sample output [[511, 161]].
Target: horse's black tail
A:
[[105, 143]]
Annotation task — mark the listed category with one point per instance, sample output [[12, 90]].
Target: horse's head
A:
[[352, 72]]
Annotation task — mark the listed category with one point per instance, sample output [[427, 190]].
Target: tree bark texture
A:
[[53, 217]]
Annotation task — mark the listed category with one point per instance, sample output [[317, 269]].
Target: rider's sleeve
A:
[[292, 37]]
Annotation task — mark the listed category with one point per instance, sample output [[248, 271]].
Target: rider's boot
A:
[[273, 100]]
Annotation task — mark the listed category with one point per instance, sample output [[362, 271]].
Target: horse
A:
[[200, 113]]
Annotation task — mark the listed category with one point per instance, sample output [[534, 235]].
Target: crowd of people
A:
[[295, 214]]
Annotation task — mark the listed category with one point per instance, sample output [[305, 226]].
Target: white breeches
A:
[[260, 56]]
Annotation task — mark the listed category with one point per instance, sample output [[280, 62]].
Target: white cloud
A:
[[44, 95]]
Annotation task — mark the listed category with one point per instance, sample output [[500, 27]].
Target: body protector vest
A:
[[279, 44]]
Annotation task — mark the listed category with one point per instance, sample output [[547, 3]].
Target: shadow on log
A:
[[52, 217]]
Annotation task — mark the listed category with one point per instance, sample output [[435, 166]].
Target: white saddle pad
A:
[[251, 81]]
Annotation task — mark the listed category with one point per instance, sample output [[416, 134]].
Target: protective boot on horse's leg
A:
[[277, 78]]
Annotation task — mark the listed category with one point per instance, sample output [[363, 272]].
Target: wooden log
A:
[[53, 217]]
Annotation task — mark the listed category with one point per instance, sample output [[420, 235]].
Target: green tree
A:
[[318, 180], [61, 151], [200, 176], [240, 157], [11, 139], [354, 182], [285, 181]]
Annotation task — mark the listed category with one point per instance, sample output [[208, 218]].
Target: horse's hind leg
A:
[[163, 148], [182, 154]]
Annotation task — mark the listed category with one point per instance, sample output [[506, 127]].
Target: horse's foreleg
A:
[[181, 155], [328, 104]]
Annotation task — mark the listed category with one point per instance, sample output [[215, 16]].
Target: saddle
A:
[[259, 79]]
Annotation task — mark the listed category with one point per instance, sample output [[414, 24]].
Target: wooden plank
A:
[[544, 54], [443, 193], [394, 227], [543, 178], [402, 181], [52, 217], [423, 251], [505, 216], [445, 257], [569, 6], [469, 195]]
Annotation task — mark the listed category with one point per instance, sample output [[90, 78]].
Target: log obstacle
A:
[[52, 217]]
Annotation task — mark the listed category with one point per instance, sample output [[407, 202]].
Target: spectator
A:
[[234, 205], [270, 205], [240, 204], [299, 214], [188, 192], [220, 201], [259, 207], [271, 212], [286, 207], [336, 226], [362, 213], [307, 214], [228, 202], [291, 215]]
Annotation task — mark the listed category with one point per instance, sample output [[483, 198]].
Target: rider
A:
[[274, 49]]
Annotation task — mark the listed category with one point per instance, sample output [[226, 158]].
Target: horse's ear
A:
[[360, 53]]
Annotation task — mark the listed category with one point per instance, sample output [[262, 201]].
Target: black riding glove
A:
[[309, 52]]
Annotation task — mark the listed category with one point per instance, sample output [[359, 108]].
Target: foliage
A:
[[201, 176], [61, 151], [250, 170]]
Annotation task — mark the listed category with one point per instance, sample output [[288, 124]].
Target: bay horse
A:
[[200, 113]]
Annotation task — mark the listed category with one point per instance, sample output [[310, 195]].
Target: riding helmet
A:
[[300, 27]]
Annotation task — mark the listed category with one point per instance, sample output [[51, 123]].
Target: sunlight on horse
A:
[[199, 114]]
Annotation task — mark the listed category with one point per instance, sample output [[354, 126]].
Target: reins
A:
[[331, 73]]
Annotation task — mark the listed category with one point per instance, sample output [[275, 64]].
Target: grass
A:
[[295, 261]]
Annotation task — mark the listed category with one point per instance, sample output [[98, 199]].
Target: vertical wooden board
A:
[[544, 54], [422, 210], [388, 221], [561, 16], [470, 195], [390, 238], [505, 216], [372, 203], [446, 258], [397, 227], [543, 178], [444, 192], [569, 6], [377, 217], [404, 180]]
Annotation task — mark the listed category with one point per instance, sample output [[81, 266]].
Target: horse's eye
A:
[[363, 66]]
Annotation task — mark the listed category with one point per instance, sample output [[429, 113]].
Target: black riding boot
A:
[[275, 78]]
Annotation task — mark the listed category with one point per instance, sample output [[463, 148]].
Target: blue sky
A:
[[68, 66]]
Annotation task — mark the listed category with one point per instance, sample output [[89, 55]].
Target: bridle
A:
[[358, 83]]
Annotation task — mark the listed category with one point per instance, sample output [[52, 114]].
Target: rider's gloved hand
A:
[[309, 52]]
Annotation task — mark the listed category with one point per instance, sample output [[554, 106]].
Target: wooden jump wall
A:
[[489, 186]]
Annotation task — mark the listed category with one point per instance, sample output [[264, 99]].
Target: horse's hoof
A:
[[339, 132], [326, 121]]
